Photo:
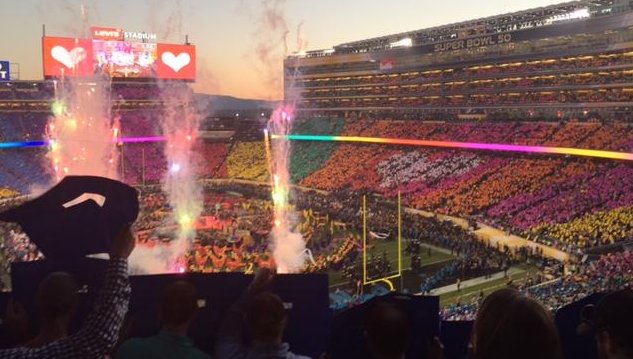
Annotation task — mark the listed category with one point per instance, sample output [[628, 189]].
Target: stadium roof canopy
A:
[[536, 17]]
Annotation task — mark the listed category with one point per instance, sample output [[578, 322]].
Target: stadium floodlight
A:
[[576, 14], [406, 42]]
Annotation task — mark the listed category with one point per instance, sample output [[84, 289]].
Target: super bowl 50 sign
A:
[[5, 72]]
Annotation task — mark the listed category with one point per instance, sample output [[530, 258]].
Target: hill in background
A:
[[218, 105]]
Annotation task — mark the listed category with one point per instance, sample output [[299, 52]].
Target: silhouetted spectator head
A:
[[57, 297], [178, 304], [611, 321], [511, 325], [387, 329], [266, 318]]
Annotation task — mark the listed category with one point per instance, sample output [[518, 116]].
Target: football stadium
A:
[[457, 191]]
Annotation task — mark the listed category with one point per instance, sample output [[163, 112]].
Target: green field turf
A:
[[430, 264], [391, 248], [467, 294]]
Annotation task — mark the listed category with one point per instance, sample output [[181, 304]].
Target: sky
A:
[[239, 42]]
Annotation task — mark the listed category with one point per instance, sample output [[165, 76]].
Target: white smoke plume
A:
[[156, 259], [180, 122], [271, 48], [206, 80], [64, 14], [302, 43], [165, 18], [270, 44], [82, 132]]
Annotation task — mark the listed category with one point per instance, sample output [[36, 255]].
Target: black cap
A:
[[77, 217]]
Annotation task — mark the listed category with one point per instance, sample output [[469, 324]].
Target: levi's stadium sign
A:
[[106, 33], [116, 34], [139, 36]]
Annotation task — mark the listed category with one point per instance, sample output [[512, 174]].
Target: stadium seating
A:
[[567, 202], [547, 192], [512, 191], [599, 228], [308, 157], [610, 272], [247, 161]]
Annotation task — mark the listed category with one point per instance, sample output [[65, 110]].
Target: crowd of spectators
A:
[[237, 218], [610, 272], [135, 91], [496, 188], [568, 80], [44, 90], [14, 245], [254, 326], [600, 228], [233, 231], [517, 193], [513, 192], [247, 160], [307, 157], [474, 99], [545, 67], [529, 195], [566, 202], [26, 90], [475, 85]]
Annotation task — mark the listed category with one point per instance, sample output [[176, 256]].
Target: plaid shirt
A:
[[99, 333]]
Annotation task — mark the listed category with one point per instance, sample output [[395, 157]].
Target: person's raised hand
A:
[[17, 319], [123, 244]]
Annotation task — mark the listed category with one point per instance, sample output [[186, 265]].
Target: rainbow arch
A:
[[465, 145]]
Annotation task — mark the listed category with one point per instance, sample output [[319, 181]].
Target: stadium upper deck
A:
[[38, 96], [575, 56]]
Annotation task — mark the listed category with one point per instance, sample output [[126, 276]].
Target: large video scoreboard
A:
[[118, 54]]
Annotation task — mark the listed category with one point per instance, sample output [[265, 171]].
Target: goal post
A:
[[387, 279]]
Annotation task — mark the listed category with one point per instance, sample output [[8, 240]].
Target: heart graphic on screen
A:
[[68, 58], [176, 62]]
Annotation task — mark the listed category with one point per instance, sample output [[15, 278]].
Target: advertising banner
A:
[[5, 71]]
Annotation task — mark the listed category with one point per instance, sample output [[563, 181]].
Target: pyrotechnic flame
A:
[[287, 246]]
